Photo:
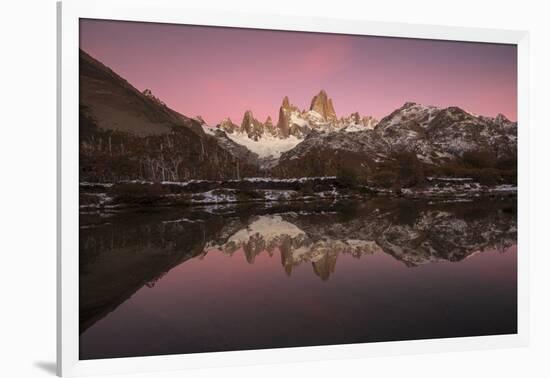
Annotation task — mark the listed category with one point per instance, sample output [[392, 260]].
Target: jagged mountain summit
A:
[[320, 117], [322, 104], [438, 134], [269, 141]]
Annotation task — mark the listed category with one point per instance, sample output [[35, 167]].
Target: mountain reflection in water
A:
[[126, 253], [272, 234]]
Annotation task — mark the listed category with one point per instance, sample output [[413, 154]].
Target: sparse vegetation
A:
[[113, 156], [480, 159], [410, 169], [481, 165], [402, 170]]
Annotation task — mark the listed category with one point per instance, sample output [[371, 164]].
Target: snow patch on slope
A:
[[209, 130], [353, 128], [267, 145], [424, 113]]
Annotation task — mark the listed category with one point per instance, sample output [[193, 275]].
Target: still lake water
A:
[[232, 278]]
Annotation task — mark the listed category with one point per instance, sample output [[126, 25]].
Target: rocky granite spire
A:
[[356, 118], [286, 103], [282, 124], [285, 111], [228, 126], [252, 126], [323, 105], [268, 125]]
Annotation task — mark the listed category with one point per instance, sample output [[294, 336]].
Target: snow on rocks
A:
[[267, 146]]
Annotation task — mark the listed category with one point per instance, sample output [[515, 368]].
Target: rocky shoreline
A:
[[98, 196]]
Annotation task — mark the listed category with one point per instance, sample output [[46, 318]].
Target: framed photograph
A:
[[255, 188]]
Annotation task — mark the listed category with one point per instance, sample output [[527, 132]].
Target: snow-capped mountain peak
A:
[[321, 117], [420, 114], [293, 125]]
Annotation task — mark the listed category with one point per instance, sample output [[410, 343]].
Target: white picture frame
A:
[[167, 11]]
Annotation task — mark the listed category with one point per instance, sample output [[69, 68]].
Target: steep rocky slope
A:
[[439, 133], [129, 135], [117, 105]]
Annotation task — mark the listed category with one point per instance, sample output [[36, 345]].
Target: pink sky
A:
[[222, 72]]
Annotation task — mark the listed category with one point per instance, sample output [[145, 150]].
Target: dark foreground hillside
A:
[[127, 135]]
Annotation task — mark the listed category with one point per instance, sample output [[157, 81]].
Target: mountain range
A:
[[269, 140], [127, 134], [436, 137]]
